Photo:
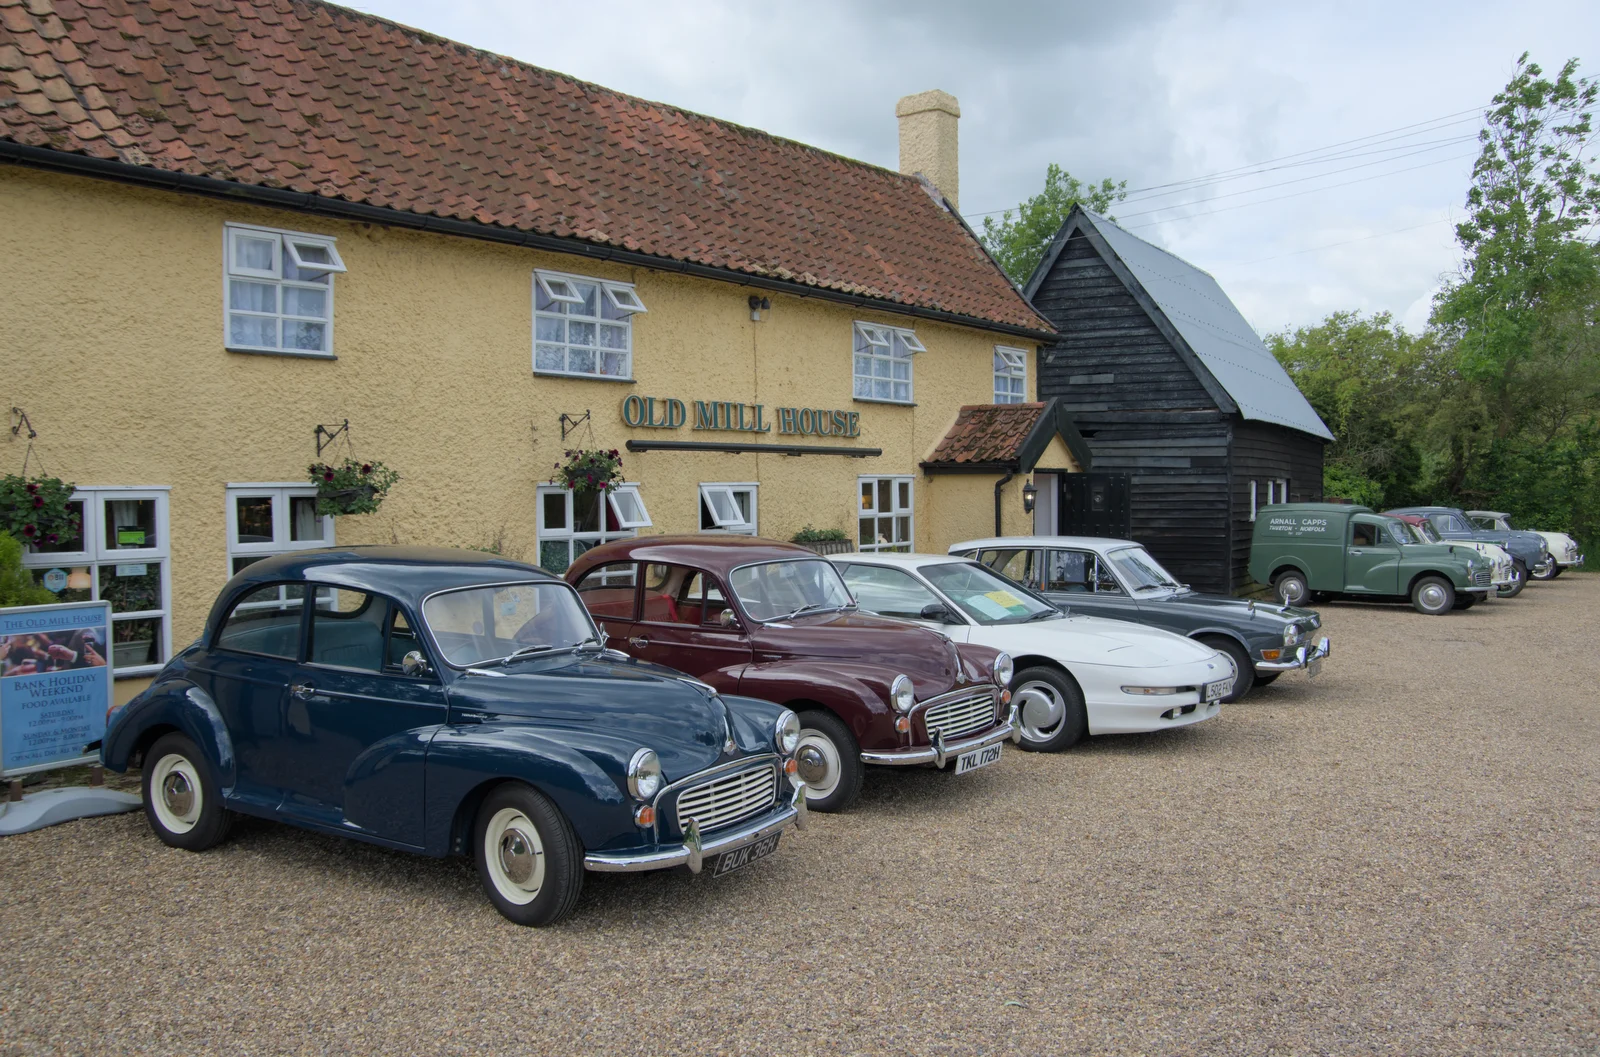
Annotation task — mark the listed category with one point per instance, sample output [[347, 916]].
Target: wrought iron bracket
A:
[[19, 421], [325, 436], [569, 424]]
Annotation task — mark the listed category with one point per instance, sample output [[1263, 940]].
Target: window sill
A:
[[891, 403], [294, 354], [584, 377]]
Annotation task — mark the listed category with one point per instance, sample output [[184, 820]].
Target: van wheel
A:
[[1433, 595], [1244, 670], [1519, 580], [1291, 587], [829, 760]]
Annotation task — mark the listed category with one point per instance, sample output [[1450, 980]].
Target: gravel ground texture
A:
[[1399, 858]]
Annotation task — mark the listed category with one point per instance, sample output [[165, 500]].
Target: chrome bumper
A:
[[1302, 658], [694, 849], [939, 752], [1573, 564]]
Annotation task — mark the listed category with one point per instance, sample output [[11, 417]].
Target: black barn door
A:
[[1094, 504]]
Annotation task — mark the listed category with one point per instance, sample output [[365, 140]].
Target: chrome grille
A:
[[953, 719], [728, 799], [1480, 577]]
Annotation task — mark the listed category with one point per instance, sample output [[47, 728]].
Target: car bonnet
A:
[[1095, 640]]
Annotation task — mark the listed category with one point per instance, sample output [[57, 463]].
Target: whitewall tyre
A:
[[529, 860], [1050, 709], [829, 761], [181, 798]]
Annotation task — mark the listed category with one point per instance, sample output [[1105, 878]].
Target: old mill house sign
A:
[[671, 413]]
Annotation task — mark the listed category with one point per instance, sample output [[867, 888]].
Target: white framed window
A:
[[569, 523], [583, 326], [728, 508], [1010, 375], [278, 290], [883, 362], [120, 555], [885, 514], [1253, 507], [268, 519]]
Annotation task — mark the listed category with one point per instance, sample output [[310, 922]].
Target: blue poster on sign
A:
[[55, 683]]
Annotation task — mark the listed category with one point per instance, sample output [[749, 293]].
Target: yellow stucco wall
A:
[[112, 316]]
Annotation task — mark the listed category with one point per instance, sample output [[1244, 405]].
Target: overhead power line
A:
[[1346, 242]]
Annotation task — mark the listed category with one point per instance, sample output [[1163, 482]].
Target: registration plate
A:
[[971, 761], [1313, 667], [1218, 690], [730, 861]]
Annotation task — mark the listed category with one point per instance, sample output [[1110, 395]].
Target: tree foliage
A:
[[1018, 240], [1497, 403], [16, 585]]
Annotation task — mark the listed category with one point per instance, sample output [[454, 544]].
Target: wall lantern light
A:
[[1030, 495], [758, 305]]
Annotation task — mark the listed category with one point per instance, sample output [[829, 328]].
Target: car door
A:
[[247, 672], [359, 727], [1372, 560], [891, 592], [680, 624], [610, 593]]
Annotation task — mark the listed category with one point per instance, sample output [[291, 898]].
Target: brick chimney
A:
[[928, 140]]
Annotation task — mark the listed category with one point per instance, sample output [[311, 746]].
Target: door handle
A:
[[303, 691], [638, 643]]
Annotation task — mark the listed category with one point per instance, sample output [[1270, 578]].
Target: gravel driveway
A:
[[1400, 858]]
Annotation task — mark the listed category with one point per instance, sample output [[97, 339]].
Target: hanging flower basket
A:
[[351, 487], [35, 511], [589, 470]]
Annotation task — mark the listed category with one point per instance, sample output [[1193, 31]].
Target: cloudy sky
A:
[[1365, 110]]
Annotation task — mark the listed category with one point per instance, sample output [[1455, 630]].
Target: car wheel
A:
[[829, 761], [1545, 570], [1519, 580], [1244, 669], [181, 796], [529, 860], [1050, 709], [1467, 601], [1291, 587], [1556, 570], [1268, 679], [1433, 596]]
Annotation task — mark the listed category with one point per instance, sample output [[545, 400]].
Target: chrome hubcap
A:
[[1041, 709], [1291, 591], [812, 764], [516, 857], [178, 794], [1433, 596]]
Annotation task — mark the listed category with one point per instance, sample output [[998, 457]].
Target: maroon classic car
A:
[[774, 620]]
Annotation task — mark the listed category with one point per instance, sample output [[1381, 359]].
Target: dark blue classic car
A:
[[451, 702]]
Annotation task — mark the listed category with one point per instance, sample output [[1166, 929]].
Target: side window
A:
[[349, 633], [402, 639], [1451, 523], [1105, 581], [1363, 535], [888, 592], [607, 590], [1068, 571], [673, 594], [266, 621]]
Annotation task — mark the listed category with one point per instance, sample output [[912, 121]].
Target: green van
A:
[[1342, 550]]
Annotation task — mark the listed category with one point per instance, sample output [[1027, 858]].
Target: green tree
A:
[[16, 585], [1018, 240]]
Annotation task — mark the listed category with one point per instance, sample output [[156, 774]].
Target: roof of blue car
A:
[[406, 574]]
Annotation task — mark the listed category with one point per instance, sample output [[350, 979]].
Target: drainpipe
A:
[[998, 485]]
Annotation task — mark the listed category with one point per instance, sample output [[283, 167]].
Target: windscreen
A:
[[1140, 571], [481, 624], [779, 590], [984, 596]]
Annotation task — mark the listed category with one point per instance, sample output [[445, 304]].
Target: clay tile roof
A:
[[987, 433], [312, 98]]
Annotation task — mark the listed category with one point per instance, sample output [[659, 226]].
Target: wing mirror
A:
[[415, 664], [728, 619], [935, 611]]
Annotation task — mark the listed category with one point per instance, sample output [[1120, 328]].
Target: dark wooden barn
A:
[[1193, 426]]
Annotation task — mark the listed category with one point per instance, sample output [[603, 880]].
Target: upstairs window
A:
[[279, 291], [883, 362], [583, 326], [1010, 375]]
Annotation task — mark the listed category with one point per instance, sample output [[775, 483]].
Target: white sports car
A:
[[1075, 675]]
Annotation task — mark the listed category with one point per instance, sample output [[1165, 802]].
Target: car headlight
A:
[[902, 694], [1004, 669], [1293, 634], [644, 775], [786, 733]]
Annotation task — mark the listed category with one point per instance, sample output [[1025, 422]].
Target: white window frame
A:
[[1252, 500], [96, 554], [558, 287], [1016, 366], [286, 249], [732, 489], [866, 341], [569, 534], [280, 493], [623, 519], [907, 511]]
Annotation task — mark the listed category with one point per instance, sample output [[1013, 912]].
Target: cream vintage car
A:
[[1564, 552], [1074, 675]]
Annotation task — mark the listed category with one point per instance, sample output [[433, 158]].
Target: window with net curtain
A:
[[885, 514], [1010, 375], [583, 326], [883, 362]]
